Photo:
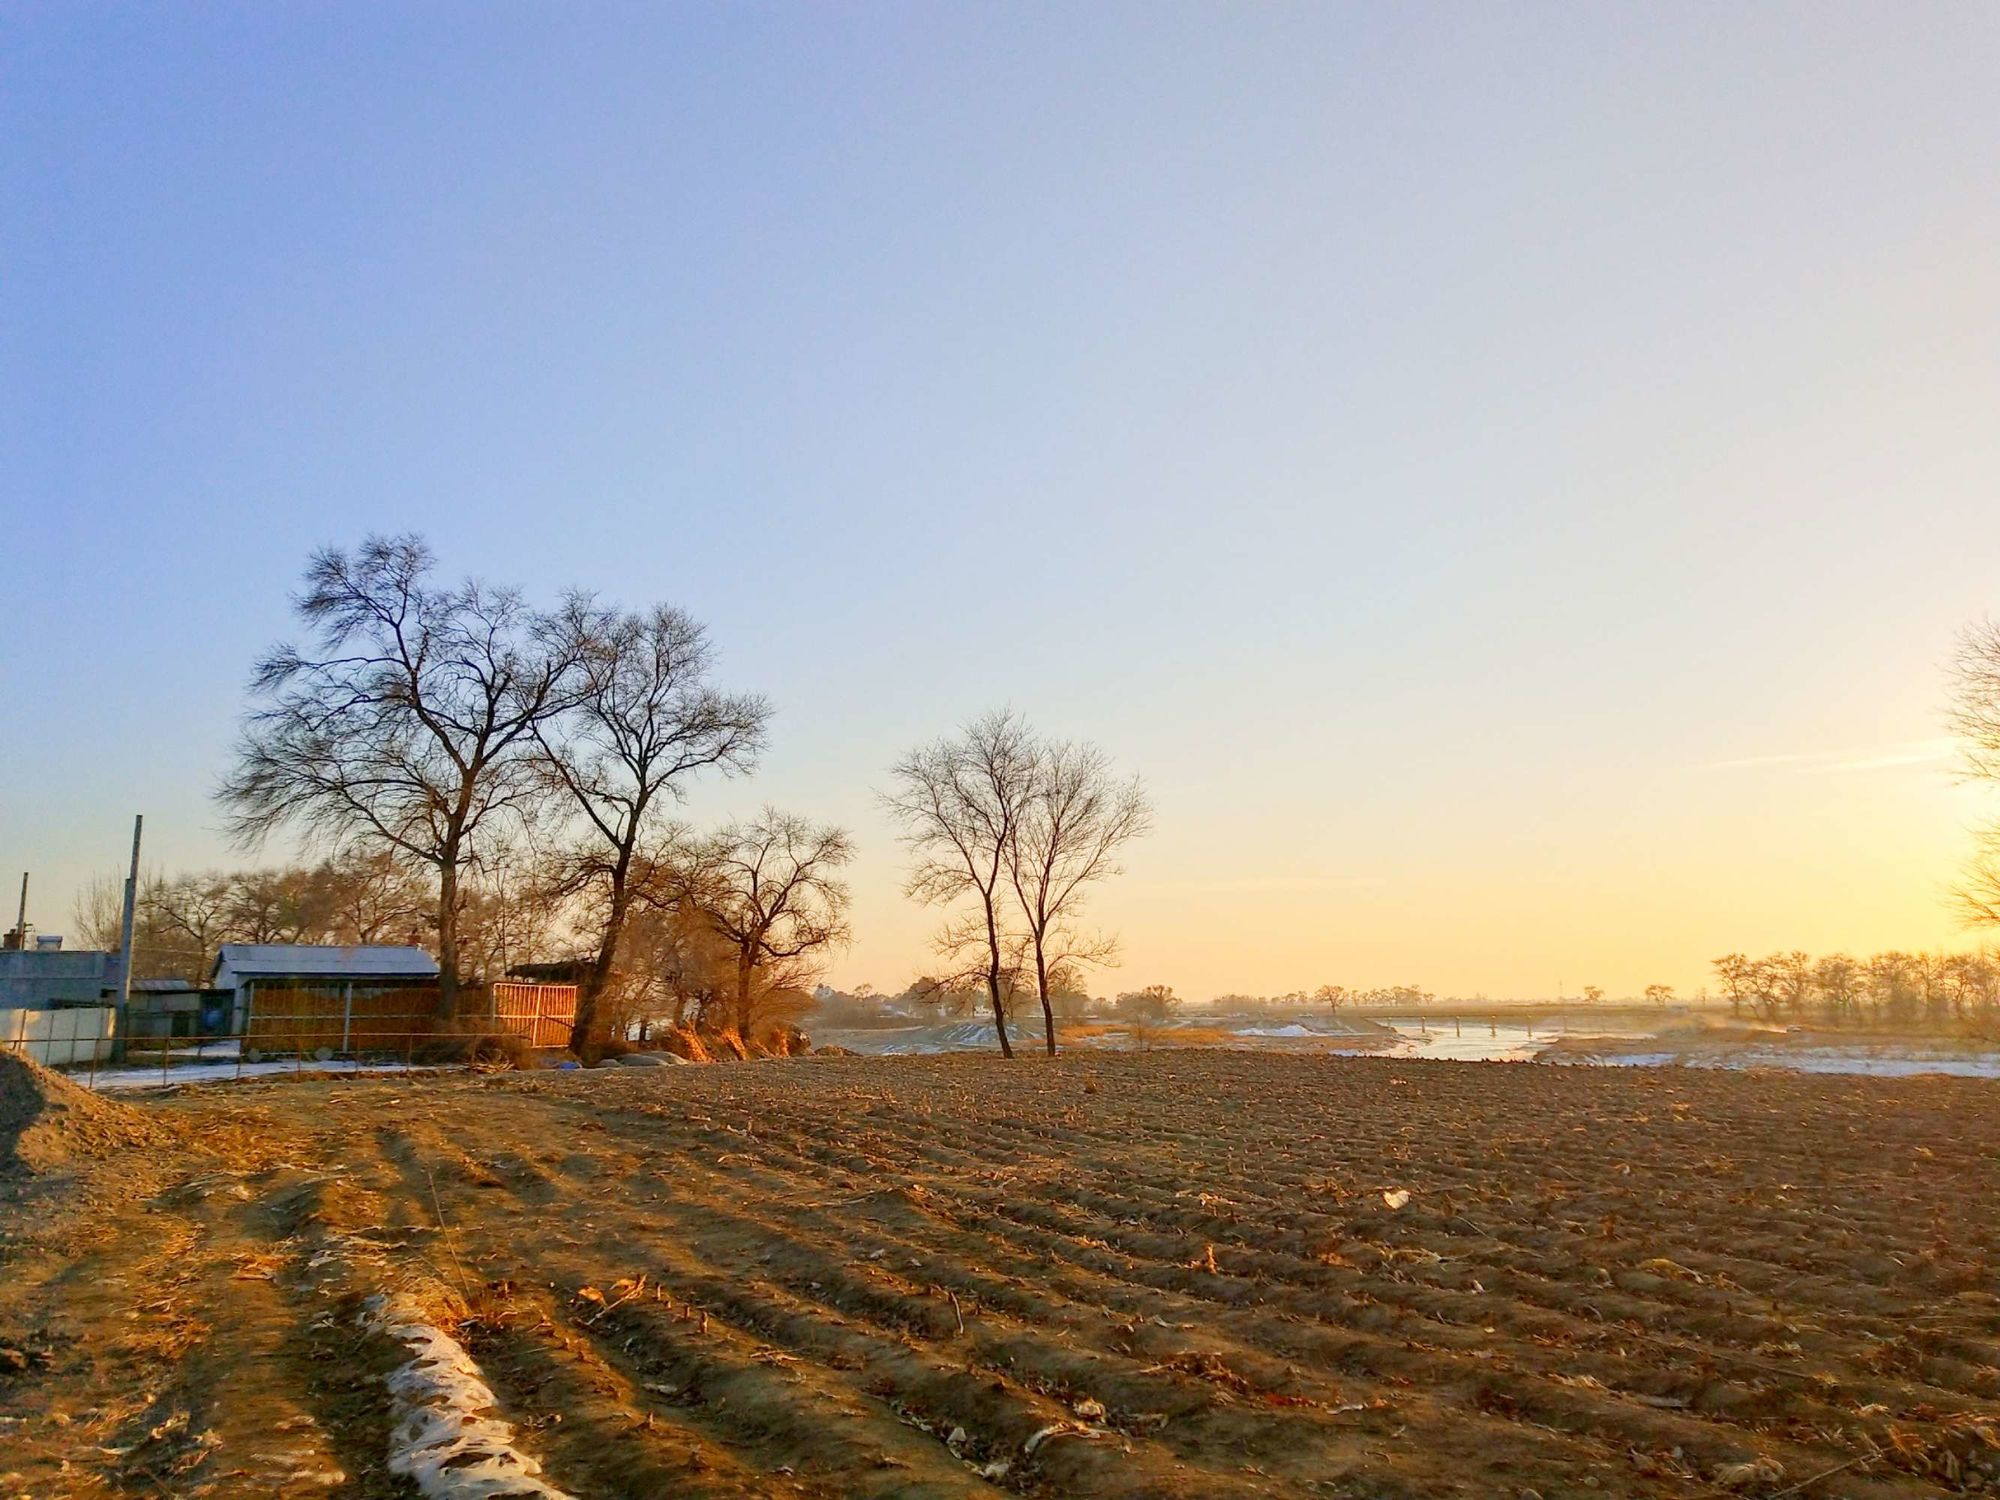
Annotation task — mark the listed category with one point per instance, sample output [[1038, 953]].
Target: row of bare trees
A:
[[455, 731], [1902, 991], [184, 919], [1010, 831]]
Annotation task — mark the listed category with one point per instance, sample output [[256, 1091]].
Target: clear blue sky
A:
[[1507, 475]]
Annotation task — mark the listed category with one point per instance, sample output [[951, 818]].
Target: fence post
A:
[[347, 1017]]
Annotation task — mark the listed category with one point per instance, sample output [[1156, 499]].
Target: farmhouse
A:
[[277, 984], [286, 997]]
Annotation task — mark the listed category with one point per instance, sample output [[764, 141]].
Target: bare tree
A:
[[644, 721], [1975, 719], [959, 801], [676, 967], [287, 905], [198, 910], [158, 950], [1075, 818], [373, 896], [407, 722], [770, 889], [505, 917]]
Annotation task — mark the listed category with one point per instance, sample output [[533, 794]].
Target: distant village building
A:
[[57, 1005], [48, 975]]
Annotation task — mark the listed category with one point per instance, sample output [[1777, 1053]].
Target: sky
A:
[[1508, 478]]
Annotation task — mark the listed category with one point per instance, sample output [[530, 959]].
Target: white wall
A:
[[57, 1038]]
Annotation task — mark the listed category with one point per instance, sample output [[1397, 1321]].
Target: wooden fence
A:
[[362, 1018]]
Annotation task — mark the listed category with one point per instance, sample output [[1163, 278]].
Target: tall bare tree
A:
[[959, 801], [406, 719], [770, 888], [1076, 816], [644, 721]]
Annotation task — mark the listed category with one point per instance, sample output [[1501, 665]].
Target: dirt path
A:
[[1168, 1275]]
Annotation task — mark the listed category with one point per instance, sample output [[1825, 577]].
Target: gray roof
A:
[[237, 962]]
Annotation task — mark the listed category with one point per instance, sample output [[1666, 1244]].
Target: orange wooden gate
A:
[[543, 1013]]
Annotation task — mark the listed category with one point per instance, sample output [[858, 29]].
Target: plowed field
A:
[[1187, 1274]]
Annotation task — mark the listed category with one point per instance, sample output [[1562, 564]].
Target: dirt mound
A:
[[46, 1121]]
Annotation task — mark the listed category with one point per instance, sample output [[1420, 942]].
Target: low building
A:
[[288, 992], [47, 976], [175, 1008]]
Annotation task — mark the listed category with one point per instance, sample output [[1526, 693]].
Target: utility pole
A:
[[125, 943], [21, 922]]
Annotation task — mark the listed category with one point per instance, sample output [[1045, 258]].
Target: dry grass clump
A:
[[784, 1040], [472, 1046], [685, 1041]]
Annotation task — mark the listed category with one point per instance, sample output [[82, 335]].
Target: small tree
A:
[[770, 889], [1332, 996], [1146, 1010], [1592, 994], [1659, 994]]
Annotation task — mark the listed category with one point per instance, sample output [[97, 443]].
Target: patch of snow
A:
[[443, 1438], [113, 1079], [1864, 1064], [1849, 1061]]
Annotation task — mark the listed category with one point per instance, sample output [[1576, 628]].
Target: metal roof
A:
[[237, 962]]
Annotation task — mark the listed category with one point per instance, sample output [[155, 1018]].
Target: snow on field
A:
[[114, 1079], [1460, 1039], [1860, 1061], [1442, 1038]]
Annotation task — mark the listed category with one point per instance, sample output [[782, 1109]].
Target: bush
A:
[[784, 1041]]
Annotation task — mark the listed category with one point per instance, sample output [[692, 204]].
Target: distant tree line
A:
[[1897, 991], [182, 920]]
